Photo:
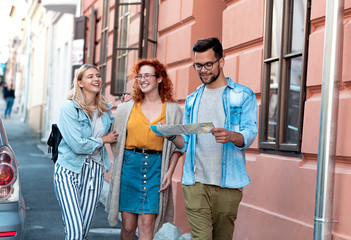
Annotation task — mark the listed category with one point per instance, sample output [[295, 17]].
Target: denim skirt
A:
[[140, 182]]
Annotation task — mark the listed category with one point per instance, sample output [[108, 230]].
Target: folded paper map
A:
[[195, 128]]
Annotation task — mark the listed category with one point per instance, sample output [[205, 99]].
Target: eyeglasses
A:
[[146, 76], [208, 65]]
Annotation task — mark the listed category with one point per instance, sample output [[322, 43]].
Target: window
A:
[[104, 42], [134, 37], [92, 39], [78, 44], [284, 74]]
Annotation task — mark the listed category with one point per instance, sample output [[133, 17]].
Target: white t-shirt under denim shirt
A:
[[98, 132], [208, 153]]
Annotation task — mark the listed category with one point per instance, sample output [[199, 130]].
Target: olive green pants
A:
[[211, 211]]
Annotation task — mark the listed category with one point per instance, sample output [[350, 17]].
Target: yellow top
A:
[[139, 133]]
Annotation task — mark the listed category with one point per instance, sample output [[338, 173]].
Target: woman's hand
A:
[[110, 137], [167, 180], [126, 98]]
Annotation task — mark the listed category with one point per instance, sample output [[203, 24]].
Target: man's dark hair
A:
[[203, 45]]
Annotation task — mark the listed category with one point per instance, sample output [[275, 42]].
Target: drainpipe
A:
[[28, 52], [333, 40], [47, 111]]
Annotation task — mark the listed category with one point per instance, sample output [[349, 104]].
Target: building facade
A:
[[275, 47]]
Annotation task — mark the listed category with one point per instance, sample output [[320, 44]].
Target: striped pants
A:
[[78, 196]]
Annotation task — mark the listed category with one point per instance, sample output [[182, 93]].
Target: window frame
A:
[[79, 34], [283, 58], [92, 36], [104, 42], [143, 43]]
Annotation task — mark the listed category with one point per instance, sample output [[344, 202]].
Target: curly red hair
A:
[[165, 88]]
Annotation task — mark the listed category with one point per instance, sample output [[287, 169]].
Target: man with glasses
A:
[[214, 171]]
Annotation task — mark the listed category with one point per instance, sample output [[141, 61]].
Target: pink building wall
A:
[[279, 203]]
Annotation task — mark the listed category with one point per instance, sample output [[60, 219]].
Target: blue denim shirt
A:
[[240, 108], [77, 142]]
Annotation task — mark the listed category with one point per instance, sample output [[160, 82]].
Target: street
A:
[[43, 217]]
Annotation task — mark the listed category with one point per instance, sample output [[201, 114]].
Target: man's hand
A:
[[222, 135]]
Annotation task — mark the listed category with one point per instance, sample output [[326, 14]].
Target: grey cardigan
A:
[[174, 115]]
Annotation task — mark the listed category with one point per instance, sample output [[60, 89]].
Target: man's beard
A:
[[212, 79]]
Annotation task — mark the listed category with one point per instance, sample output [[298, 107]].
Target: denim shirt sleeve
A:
[[248, 120], [187, 120], [186, 141], [76, 130]]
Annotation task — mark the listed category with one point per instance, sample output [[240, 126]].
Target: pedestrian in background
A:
[[84, 123], [9, 96], [214, 171], [143, 162], [4, 89]]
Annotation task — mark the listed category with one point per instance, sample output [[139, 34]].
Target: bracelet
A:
[[171, 138]]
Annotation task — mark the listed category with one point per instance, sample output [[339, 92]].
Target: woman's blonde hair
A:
[[76, 94]]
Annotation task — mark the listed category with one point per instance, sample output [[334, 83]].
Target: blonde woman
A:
[[84, 123]]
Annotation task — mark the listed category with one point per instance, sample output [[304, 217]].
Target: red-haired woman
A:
[[143, 162]]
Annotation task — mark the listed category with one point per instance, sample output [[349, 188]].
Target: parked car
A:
[[12, 208]]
